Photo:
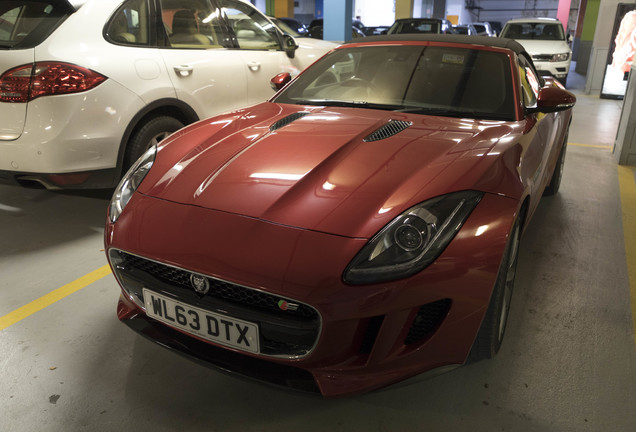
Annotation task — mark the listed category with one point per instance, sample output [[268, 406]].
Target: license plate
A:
[[211, 326]]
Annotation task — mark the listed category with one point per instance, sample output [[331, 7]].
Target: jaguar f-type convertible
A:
[[359, 228]]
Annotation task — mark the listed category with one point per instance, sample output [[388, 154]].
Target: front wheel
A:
[[493, 327], [151, 133]]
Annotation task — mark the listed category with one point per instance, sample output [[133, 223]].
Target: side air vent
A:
[[391, 128], [287, 120]]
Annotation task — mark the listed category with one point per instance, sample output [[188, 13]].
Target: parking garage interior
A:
[[568, 362]]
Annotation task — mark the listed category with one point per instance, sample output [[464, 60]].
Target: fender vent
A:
[[391, 128], [287, 120]]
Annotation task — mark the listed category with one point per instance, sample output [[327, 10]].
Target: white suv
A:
[[87, 85], [545, 41]]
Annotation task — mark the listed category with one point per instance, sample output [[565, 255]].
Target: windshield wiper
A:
[[445, 112], [350, 104]]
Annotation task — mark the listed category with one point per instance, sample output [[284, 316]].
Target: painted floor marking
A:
[[604, 147], [50, 298], [627, 181]]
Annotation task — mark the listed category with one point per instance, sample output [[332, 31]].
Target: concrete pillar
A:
[[587, 36], [600, 46], [439, 9], [578, 30], [338, 19], [403, 9]]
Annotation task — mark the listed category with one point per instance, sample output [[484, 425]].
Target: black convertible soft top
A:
[[451, 38]]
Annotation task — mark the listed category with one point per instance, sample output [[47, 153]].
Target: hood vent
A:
[[287, 120], [391, 128]]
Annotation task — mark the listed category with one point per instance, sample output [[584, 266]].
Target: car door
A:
[[259, 43], [541, 130], [207, 72]]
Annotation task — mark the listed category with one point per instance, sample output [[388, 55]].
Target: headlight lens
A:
[[130, 182], [560, 57], [413, 240]]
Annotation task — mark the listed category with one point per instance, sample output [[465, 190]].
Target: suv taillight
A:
[[27, 82]]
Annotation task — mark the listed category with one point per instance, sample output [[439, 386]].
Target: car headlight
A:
[[560, 57], [130, 182], [413, 240]]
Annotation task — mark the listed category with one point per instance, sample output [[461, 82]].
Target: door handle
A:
[[183, 70], [254, 66]]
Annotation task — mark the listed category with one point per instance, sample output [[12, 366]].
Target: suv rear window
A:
[[25, 24]]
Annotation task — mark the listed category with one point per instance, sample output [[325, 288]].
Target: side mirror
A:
[[289, 45], [553, 99], [280, 80]]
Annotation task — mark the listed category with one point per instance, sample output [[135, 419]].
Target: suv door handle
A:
[[254, 66], [183, 70]]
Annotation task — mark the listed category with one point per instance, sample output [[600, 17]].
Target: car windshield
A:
[[25, 24], [536, 31], [436, 80]]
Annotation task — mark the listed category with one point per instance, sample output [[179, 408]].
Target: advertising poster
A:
[[621, 52]]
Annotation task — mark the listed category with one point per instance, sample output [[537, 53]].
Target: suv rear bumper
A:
[[99, 179]]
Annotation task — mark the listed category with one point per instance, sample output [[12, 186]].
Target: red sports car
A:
[[359, 228]]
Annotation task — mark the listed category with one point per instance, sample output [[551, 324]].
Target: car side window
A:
[[192, 24], [130, 25], [252, 30], [530, 82]]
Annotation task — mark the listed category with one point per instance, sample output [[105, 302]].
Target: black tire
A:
[[557, 174], [493, 327], [151, 133]]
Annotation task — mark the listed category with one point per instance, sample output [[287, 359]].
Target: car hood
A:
[[317, 44], [316, 168], [535, 47]]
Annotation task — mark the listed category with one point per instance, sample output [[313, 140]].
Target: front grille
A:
[[220, 289], [427, 320], [542, 57], [391, 128], [284, 333]]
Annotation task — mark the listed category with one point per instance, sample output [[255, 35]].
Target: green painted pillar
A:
[[584, 46]]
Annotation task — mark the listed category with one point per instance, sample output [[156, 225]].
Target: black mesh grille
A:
[[391, 128], [287, 120], [286, 330], [218, 288], [427, 319]]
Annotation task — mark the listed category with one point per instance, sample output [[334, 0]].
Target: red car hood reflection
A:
[[318, 172]]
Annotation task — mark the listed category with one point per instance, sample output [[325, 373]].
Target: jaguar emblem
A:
[[200, 284]]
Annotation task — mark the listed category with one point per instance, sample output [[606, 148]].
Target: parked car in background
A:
[[496, 27], [546, 42], [316, 30], [86, 86], [298, 27], [420, 25], [355, 230], [465, 29], [484, 29]]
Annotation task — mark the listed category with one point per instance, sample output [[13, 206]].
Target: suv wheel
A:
[[151, 133]]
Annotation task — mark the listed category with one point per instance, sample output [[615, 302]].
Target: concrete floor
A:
[[568, 362]]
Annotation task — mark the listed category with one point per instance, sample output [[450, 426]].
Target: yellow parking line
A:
[[50, 298], [627, 181], [604, 147]]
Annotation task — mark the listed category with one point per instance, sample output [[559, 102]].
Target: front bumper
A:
[[555, 69], [366, 337]]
